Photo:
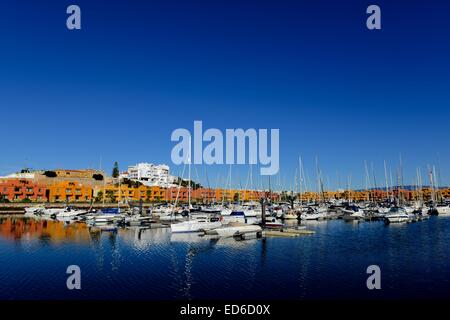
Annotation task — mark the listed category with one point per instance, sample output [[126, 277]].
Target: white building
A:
[[150, 174], [19, 175]]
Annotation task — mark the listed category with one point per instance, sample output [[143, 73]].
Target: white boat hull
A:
[[443, 210], [194, 226], [312, 216], [170, 218], [397, 219], [70, 214], [50, 212], [290, 216], [227, 232]]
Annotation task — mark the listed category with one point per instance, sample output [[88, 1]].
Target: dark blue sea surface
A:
[[155, 264]]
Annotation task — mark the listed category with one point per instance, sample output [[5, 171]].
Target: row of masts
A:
[[393, 187], [302, 182]]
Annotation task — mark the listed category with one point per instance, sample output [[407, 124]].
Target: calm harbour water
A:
[[154, 264]]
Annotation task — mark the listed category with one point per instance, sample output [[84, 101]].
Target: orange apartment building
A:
[[20, 189], [126, 193], [157, 194], [73, 191], [69, 191], [150, 194]]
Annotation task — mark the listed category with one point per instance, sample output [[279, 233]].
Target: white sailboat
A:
[[35, 210], [226, 212], [51, 212], [313, 214], [397, 215], [197, 224], [443, 209], [232, 230], [290, 215], [104, 216], [70, 213], [353, 213]]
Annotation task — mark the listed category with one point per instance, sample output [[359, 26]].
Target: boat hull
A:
[[190, 226], [443, 210], [228, 232]]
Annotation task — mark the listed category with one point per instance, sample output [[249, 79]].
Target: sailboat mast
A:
[[374, 182], [229, 187], [431, 183], [436, 184], [120, 194], [189, 175], [401, 177], [386, 180], [301, 180], [367, 180], [251, 182]]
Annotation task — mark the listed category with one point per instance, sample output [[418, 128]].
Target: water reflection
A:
[[145, 263], [46, 231], [191, 237]]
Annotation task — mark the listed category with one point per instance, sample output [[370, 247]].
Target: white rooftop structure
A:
[[19, 175], [150, 174]]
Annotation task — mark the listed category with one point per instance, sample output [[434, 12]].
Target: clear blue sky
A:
[[137, 70]]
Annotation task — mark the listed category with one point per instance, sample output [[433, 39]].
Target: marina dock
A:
[[287, 233]]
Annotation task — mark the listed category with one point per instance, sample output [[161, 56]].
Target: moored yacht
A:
[[70, 213], [104, 216], [53, 212], [211, 209], [273, 223], [290, 215], [234, 229], [197, 223], [35, 210], [352, 213], [313, 214], [442, 209], [397, 215]]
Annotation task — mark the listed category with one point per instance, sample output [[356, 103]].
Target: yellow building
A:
[[69, 191], [150, 194], [112, 193]]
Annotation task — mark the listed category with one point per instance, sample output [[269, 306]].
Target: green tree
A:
[[185, 183], [131, 183], [99, 196], [115, 172], [149, 194], [291, 200], [50, 174], [97, 177], [3, 199], [25, 200], [110, 195]]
